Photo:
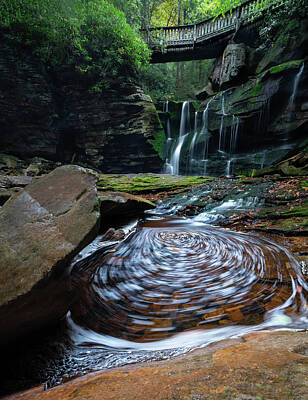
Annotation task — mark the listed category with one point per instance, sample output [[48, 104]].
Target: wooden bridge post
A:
[[238, 18], [195, 34]]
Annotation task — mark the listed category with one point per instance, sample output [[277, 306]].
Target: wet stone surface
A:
[[179, 283]]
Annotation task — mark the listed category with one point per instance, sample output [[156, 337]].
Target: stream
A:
[[172, 285]]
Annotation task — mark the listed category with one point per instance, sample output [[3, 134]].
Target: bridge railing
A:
[[187, 35]]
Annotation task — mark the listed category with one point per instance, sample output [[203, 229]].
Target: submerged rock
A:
[[41, 229], [114, 235]]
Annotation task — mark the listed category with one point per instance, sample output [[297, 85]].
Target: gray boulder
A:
[[41, 229]]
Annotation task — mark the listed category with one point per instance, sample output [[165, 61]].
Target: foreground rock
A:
[[41, 228], [257, 366]]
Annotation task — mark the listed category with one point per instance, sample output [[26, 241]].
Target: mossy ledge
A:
[[147, 183]]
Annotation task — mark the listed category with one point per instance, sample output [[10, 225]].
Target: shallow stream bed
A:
[[172, 285]]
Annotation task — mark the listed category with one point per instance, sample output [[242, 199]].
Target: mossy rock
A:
[[290, 170], [285, 66], [159, 143], [147, 183]]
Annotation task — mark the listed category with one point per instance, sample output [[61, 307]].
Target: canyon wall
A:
[[51, 113]]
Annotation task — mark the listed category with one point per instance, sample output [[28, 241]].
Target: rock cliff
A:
[[52, 114], [254, 106]]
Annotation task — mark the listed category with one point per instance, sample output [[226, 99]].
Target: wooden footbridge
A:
[[207, 39]]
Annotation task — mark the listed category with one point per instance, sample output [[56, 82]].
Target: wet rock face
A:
[[41, 228], [26, 105], [229, 69], [54, 115], [267, 123]]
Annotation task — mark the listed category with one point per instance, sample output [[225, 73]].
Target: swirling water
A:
[[173, 276], [172, 285], [176, 284]]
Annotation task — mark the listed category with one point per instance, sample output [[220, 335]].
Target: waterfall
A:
[[233, 143], [222, 127], [191, 160], [167, 167], [205, 132], [184, 131], [294, 91], [200, 154], [234, 134], [228, 168]]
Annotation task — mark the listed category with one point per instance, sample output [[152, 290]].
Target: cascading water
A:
[[199, 146], [294, 90], [222, 126], [228, 168], [290, 106], [234, 134], [183, 133], [191, 159], [233, 144], [167, 167]]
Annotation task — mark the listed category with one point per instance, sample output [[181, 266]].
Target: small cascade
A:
[[228, 147], [191, 159], [234, 134], [198, 155], [222, 130], [264, 116], [228, 168], [184, 132], [205, 133], [167, 166], [205, 155], [294, 91]]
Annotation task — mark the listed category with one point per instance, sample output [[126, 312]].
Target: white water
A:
[[183, 133], [228, 168], [294, 91], [222, 127], [200, 135], [192, 144], [167, 169]]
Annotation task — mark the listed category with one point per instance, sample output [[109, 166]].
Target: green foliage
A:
[[284, 24], [92, 34], [160, 80]]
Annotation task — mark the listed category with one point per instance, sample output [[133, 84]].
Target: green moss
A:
[[293, 225], [159, 143], [256, 88], [297, 211], [287, 65], [147, 183]]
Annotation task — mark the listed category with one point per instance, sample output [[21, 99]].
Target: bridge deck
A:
[[176, 39]]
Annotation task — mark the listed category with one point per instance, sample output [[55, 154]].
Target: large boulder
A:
[[230, 68], [41, 229]]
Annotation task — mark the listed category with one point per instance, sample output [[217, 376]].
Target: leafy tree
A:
[[92, 34]]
